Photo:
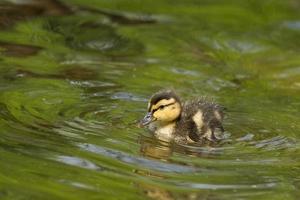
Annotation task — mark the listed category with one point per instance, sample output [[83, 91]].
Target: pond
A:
[[75, 76]]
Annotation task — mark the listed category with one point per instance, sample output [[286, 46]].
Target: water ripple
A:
[[78, 128], [292, 25], [224, 187], [143, 162], [127, 96], [78, 162], [93, 84], [275, 143]]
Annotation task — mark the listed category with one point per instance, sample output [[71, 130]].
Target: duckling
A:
[[183, 122]]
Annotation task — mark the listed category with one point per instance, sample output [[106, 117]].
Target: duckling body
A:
[[187, 122]]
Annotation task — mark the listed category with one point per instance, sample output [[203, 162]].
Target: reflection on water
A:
[[78, 162], [76, 75]]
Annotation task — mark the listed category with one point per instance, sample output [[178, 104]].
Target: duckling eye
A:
[[161, 107]]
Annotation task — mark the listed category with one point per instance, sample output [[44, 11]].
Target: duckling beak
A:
[[147, 119]]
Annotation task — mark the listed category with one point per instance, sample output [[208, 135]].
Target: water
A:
[[76, 75]]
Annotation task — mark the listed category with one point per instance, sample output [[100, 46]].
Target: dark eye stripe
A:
[[154, 110]]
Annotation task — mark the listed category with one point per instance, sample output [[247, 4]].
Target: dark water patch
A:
[[19, 73], [11, 13], [18, 50], [80, 73], [71, 73]]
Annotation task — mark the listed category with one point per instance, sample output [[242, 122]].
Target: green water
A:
[[76, 75]]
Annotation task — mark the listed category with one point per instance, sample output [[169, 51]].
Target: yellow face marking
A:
[[169, 113], [162, 103]]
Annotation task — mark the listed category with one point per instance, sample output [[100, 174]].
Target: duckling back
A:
[[201, 119]]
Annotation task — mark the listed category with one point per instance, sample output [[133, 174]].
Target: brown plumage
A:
[[191, 121]]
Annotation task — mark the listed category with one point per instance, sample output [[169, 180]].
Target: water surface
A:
[[76, 75]]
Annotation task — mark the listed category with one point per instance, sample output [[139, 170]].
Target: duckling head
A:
[[164, 107]]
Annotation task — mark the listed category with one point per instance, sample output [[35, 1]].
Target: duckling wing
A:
[[204, 119]]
